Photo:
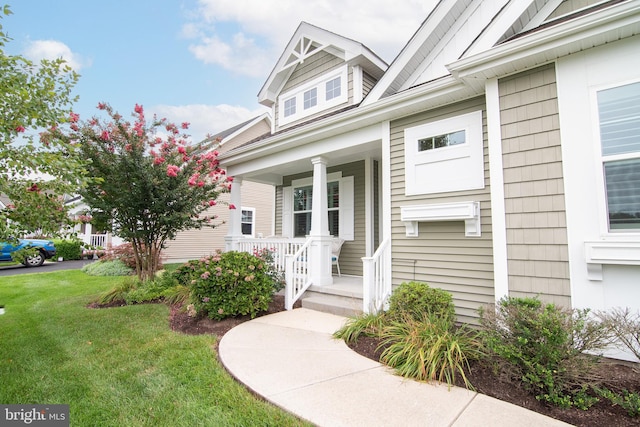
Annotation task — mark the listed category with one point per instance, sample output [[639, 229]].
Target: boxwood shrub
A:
[[417, 299], [68, 249]]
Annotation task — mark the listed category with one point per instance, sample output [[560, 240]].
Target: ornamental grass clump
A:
[[232, 283], [431, 348]]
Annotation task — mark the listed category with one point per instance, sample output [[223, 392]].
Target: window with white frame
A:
[[619, 117], [297, 206], [302, 197], [444, 155], [312, 97], [248, 222], [333, 88], [289, 107]]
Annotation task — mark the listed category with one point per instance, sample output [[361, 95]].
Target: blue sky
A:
[[200, 61]]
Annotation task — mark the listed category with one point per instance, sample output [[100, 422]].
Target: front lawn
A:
[[114, 367]]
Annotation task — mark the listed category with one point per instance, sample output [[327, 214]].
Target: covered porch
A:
[[327, 191]]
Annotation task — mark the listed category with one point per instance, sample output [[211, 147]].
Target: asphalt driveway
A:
[[10, 270]]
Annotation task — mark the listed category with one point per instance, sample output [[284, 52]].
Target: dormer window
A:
[[310, 98], [313, 97], [333, 88], [289, 107]]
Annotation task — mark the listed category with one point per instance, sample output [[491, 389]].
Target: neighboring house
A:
[[256, 212], [499, 154], [84, 230]]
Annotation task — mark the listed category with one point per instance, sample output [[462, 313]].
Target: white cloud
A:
[[262, 28], [205, 119], [38, 50]]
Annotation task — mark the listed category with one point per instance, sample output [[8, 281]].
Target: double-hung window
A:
[[619, 117], [248, 220], [302, 197], [297, 207]]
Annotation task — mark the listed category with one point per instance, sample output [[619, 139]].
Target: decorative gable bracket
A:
[[469, 212]]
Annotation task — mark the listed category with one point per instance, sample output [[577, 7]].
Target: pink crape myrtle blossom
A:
[[151, 178]]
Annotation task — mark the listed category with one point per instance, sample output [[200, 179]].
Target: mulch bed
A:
[[617, 375]]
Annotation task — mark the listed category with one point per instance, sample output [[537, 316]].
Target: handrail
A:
[[297, 274], [376, 278], [280, 248]]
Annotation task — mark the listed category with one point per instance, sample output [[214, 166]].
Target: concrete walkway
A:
[[291, 359]]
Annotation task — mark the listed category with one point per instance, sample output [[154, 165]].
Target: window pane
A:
[[334, 223], [246, 229], [333, 189], [623, 193], [439, 141], [247, 216], [333, 88], [619, 110], [302, 198], [310, 98], [289, 107], [301, 224]]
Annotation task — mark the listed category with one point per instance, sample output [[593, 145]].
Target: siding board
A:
[[442, 256], [537, 253]]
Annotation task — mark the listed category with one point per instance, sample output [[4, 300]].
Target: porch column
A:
[[320, 249], [234, 233]]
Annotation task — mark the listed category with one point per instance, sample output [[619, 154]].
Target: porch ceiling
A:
[[273, 171]]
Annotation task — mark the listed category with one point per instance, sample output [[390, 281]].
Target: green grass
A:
[[114, 367]]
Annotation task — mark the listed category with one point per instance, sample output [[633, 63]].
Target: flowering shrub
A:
[[232, 283], [149, 182]]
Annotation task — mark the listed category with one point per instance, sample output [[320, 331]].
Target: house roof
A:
[[518, 34], [306, 42]]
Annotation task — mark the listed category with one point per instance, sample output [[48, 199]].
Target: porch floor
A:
[[348, 286]]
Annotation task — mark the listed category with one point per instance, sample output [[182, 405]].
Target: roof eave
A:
[[541, 47]]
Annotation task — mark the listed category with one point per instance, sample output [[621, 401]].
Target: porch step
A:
[[340, 305]]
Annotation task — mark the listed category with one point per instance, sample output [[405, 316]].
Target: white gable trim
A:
[[511, 12], [299, 48], [401, 64], [541, 47]]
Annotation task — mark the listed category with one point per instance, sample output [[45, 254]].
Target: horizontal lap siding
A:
[[194, 244], [534, 191], [442, 256]]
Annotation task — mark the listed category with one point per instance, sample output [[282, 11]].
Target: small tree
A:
[[34, 96], [148, 187]]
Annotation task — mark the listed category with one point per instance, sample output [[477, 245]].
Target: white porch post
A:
[[320, 249], [234, 233]]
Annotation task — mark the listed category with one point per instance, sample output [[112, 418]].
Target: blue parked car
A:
[[46, 250]]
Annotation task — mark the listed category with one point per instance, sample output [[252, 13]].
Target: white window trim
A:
[[321, 104], [346, 208], [603, 209], [253, 222], [615, 247], [467, 157]]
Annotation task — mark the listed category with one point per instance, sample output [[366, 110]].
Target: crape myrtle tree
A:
[[34, 97], [149, 182]]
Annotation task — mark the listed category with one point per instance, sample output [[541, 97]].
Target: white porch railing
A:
[[376, 279], [98, 240], [297, 275], [280, 247]]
